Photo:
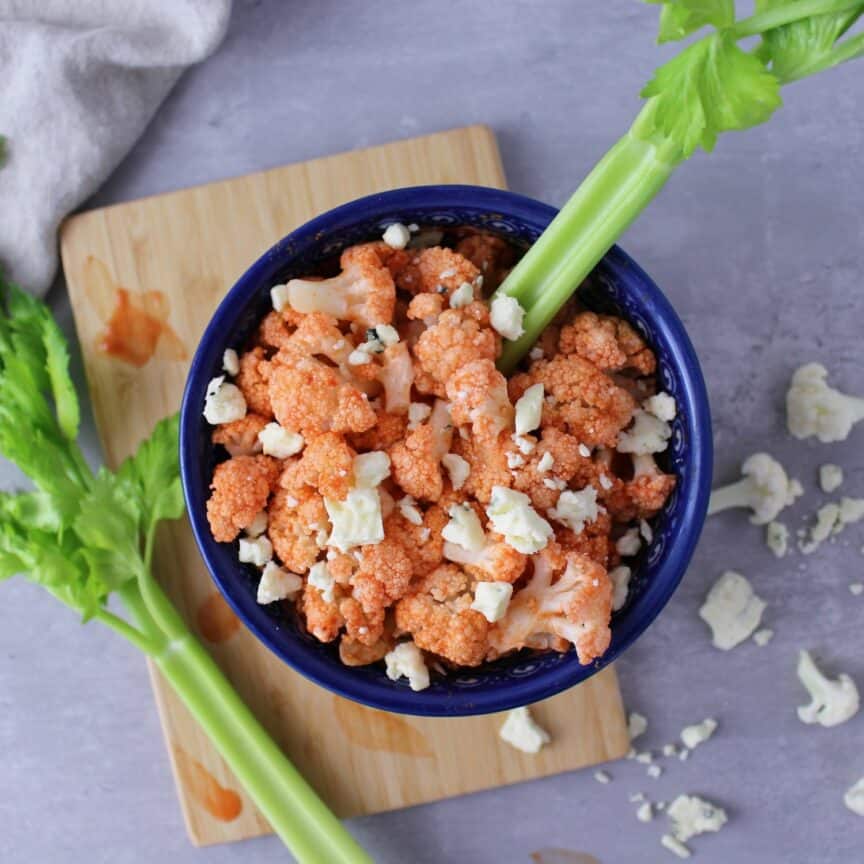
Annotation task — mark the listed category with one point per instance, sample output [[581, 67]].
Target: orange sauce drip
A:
[[216, 619], [221, 803]]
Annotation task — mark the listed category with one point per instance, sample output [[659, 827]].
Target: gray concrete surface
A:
[[760, 247]]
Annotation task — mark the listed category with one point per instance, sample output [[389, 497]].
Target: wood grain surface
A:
[[175, 256]]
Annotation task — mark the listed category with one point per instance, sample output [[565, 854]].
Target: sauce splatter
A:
[[216, 620], [221, 803], [377, 730], [136, 323], [562, 856]]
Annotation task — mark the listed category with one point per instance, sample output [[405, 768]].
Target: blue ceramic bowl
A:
[[619, 286]]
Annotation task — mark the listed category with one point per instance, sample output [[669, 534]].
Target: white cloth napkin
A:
[[79, 81]]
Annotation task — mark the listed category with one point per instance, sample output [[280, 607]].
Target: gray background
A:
[[761, 248]]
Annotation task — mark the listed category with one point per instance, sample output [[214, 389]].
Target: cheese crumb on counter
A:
[[763, 637], [854, 797], [732, 610], [602, 777], [636, 725], [690, 816], [522, 731], [698, 733], [654, 771], [777, 538], [406, 661], [674, 845], [645, 812], [832, 701]]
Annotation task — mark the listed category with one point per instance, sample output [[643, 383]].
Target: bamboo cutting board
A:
[[170, 259]]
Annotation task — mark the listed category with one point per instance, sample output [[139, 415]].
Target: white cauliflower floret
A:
[[574, 509], [647, 434], [406, 661], [662, 406], [491, 599], [732, 610], [521, 730], [831, 701], [765, 489], [814, 408], [506, 317], [223, 403], [511, 515], [278, 584]]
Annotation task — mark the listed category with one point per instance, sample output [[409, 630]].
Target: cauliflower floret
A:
[[732, 610], [647, 434], [275, 331], [426, 308], [327, 465], [488, 465], [440, 619], [459, 337], [814, 408], [252, 381], [241, 487], [765, 489], [298, 519], [416, 461], [494, 561], [576, 607], [478, 395], [363, 292], [353, 652], [240, 437], [323, 618], [318, 334], [831, 701], [607, 342], [423, 543], [384, 575], [641, 497], [492, 256], [362, 626], [397, 377], [584, 400], [593, 541], [437, 270], [311, 397]]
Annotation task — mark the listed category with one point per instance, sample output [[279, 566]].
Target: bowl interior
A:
[[617, 286]]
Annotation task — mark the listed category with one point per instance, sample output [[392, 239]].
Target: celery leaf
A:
[[680, 18]]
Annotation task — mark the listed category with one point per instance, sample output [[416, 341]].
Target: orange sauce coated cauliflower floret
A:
[[323, 618], [297, 520], [607, 342], [487, 462], [497, 561], [240, 437], [240, 489], [584, 400], [459, 337], [594, 541], [434, 269], [415, 464], [642, 496], [478, 396], [383, 576], [252, 381], [326, 464], [310, 397], [426, 307], [363, 626], [492, 256], [275, 330], [439, 618], [388, 429], [422, 543]]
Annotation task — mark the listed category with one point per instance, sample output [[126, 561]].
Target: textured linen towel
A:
[[80, 81]]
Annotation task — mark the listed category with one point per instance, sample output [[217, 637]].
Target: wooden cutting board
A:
[[175, 256]]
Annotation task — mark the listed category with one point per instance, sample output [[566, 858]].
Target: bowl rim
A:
[[384, 206]]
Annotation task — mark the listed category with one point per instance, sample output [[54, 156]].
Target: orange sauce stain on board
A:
[[377, 730], [221, 803], [562, 856], [136, 323], [216, 619]]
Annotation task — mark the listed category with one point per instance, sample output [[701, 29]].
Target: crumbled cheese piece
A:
[[648, 434], [620, 577], [856, 588], [526, 445], [644, 758], [830, 477], [230, 361], [536, 353], [690, 816], [555, 483], [512, 516], [359, 357], [387, 334], [662, 406], [406, 661], [277, 584], [280, 442], [529, 409], [777, 538], [547, 460], [763, 637], [418, 412], [458, 469], [258, 525], [321, 578], [732, 610], [646, 531], [645, 813], [464, 528], [515, 460], [832, 701], [506, 316], [574, 509], [854, 797], [371, 469], [462, 296], [698, 733], [223, 403], [425, 534], [602, 777], [636, 725], [396, 235], [670, 750], [257, 551], [491, 599], [654, 771], [629, 544], [522, 731], [605, 482], [279, 295], [584, 450], [357, 520], [675, 846], [408, 508]]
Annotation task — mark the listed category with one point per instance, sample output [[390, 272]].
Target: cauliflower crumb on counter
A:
[[522, 731], [832, 701], [636, 725], [854, 797], [732, 610], [602, 777], [763, 637], [674, 845], [406, 500], [777, 538], [698, 733], [830, 477]]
